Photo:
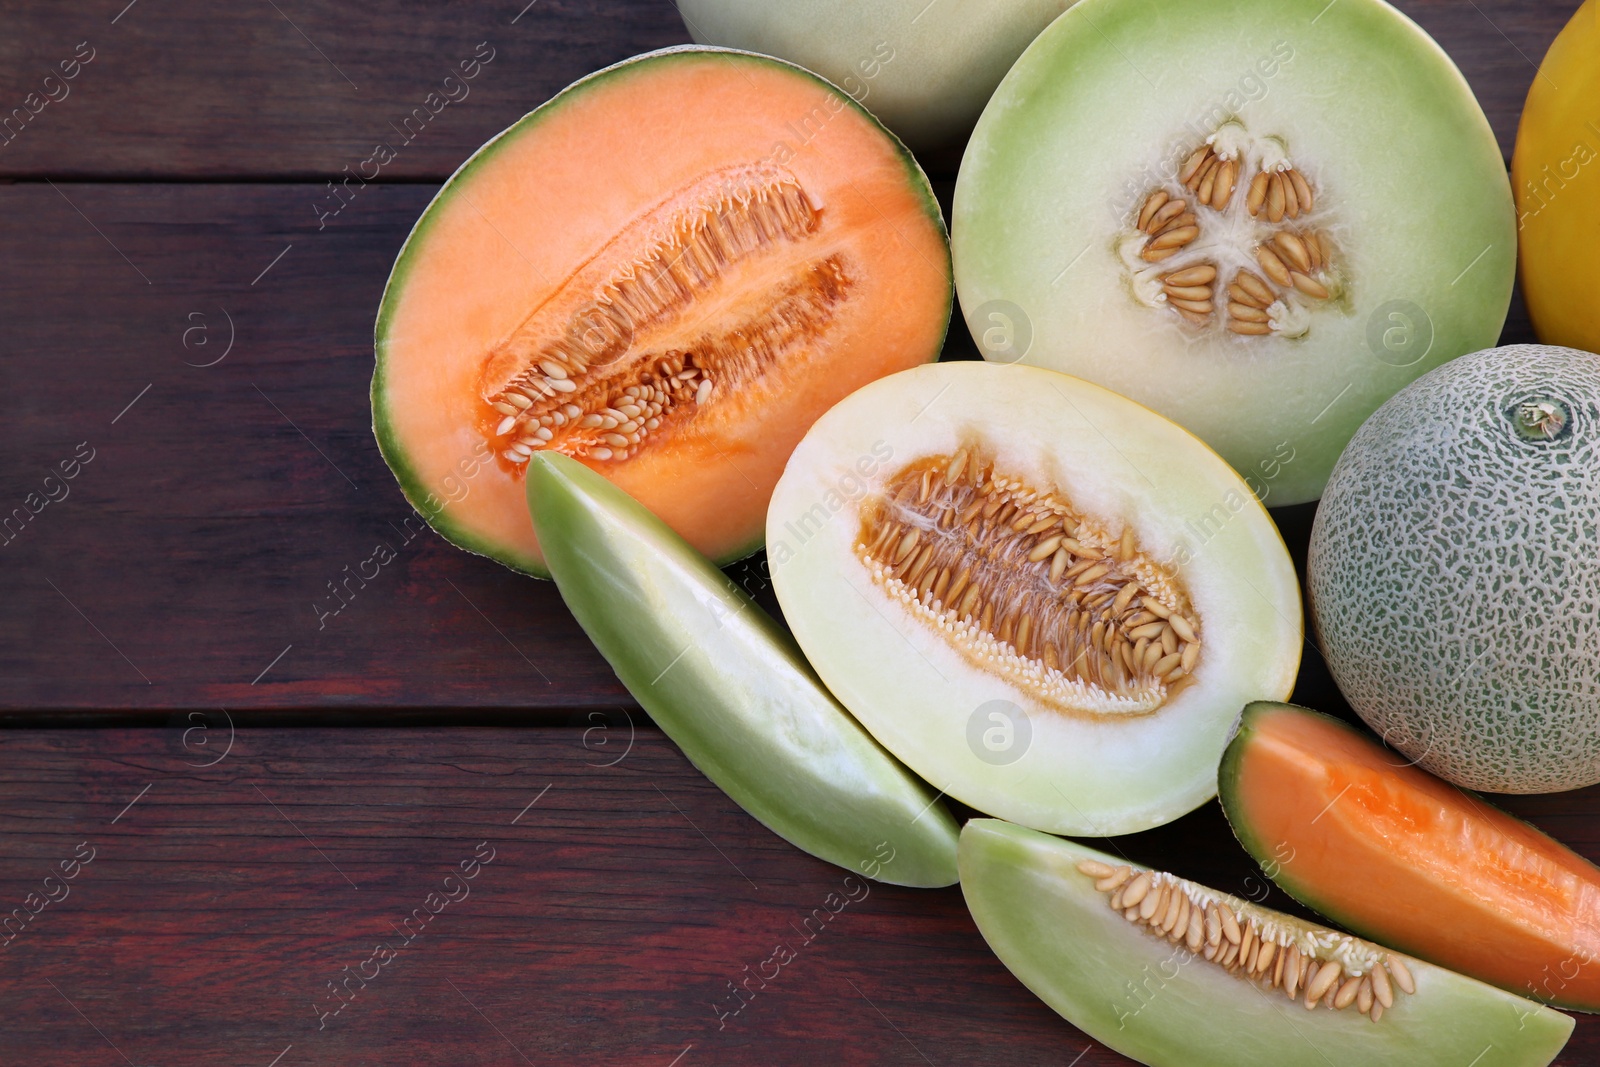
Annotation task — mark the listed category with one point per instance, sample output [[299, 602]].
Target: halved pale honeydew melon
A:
[[654, 274], [1047, 737], [1409, 237], [1045, 906], [925, 69]]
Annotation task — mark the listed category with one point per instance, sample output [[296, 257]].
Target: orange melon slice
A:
[[1394, 854], [667, 272]]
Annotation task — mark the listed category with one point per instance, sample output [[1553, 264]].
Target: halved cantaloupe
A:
[[1391, 852], [668, 272]]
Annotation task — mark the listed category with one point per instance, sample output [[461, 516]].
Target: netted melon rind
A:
[[1454, 573]]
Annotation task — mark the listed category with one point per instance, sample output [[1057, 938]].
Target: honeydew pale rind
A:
[[1454, 570], [961, 549], [925, 70], [654, 273], [729, 687], [1148, 995], [1389, 224]]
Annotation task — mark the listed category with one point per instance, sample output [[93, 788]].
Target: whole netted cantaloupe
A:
[[1454, 570]]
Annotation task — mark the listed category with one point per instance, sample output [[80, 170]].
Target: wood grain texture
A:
[[303, 89], [616, 910], [198, 543]]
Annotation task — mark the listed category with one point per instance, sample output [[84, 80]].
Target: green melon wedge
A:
[[1138, 993], [728, 685]]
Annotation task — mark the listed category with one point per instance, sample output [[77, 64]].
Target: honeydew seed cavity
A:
[[1028, 589], [1237, 243], [1306, 963]]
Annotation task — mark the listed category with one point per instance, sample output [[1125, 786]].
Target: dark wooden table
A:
[[177, 303]]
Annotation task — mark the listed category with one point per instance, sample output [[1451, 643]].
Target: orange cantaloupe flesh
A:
[[540, 203], [1403, 858]]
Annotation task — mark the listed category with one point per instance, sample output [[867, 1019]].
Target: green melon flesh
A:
[[925, 70], [1108, 103], [1081, 769], [1167, 1007], [729, 686], [1454, 572]]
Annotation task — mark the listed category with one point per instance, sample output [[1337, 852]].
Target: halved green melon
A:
[[1260, 218], [729, 686], [1046, 600], [655, 274], [1181, 975], [1349, 828], [925, 69]]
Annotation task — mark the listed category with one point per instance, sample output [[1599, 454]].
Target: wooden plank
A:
[[189, 563], [620, 903], [300, 89]]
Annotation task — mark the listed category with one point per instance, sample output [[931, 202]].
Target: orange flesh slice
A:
[[1408, 860]]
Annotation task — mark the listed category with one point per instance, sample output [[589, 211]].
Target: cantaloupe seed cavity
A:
[[578, 374], [1278, 953], [1237, 242], [1028, 589]]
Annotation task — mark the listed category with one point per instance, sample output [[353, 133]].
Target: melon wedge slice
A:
[[730, 688], [1046, 907], [1347, 827]]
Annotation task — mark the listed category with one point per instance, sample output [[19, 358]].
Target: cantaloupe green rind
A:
[[1163, 1006], [431, 501], [729, 686], [1386, 127]]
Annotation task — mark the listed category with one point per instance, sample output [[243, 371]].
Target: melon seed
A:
[[572, 367], [1305, 963], [1402, 974], [1381, 988], [1045, 598], [1193, 224], [1321, 982]]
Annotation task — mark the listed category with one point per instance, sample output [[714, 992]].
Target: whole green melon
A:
[[925, 69], [1454, 571]]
